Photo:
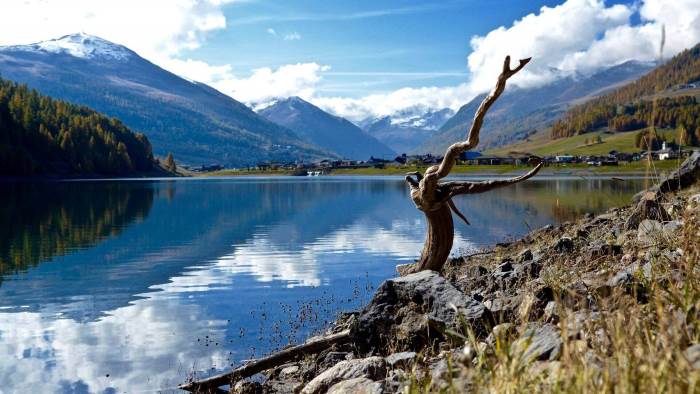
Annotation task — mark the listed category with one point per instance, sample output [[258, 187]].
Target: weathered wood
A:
[[313, 346], [435, 198]]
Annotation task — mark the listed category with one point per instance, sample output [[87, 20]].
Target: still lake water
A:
[[130, 286]]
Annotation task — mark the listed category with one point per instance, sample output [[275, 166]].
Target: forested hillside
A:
[[43, 136], [631, 106]]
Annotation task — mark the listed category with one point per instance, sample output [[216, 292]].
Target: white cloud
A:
[[156, 29], [578, 36], [292, 36]]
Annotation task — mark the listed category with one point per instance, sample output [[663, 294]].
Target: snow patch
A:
[[80, 45]]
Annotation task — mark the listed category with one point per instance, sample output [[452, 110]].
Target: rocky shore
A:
[[607, 303]]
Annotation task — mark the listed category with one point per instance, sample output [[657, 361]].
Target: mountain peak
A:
[[81, 45]]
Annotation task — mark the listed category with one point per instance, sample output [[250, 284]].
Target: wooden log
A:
[[313, 346]]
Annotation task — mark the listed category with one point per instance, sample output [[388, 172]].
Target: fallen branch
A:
[[313, 346]]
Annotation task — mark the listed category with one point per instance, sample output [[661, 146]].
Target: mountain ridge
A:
[[326, 130], [521, 112], [195, 122]]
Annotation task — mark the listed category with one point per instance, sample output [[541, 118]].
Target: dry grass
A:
[[630, 347]]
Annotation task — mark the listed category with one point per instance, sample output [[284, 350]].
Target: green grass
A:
[[576, 145]]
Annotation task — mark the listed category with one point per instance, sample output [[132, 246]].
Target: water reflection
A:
[[44, 220], [187, 275]]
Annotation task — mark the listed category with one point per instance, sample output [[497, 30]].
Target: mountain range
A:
[[408, 129], [195, 122], [521, 112], [320, 128]]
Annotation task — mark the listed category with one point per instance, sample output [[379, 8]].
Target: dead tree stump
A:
[[434, 198]]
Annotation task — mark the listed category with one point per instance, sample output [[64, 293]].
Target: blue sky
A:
[[362, 59], [371, 46]]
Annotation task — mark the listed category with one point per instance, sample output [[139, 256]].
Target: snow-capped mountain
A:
[[195, 122], [406, 130], [79, 45]]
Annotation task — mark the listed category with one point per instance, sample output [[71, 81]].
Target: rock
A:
[[686, 175], [395, 381], [504, 308], [600, 248], [289, 371], [539, 342], [671, 227], [551, 312], [621, 279], [532, 305], [576, 324], [402, 359], [528, 270], [373, 368], [506, 266], [248, 387], [692, 354], [564, 245], [500, 332], [333, 358], [649, 232], [648, 208], [525, 255], [360, 385], [402, 309]]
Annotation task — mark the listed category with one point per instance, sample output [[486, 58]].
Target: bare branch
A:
[[457, 188], [311, 347], [473, 137], [457, 211]]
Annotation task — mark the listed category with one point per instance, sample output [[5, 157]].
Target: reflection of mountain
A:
[[43, 220]]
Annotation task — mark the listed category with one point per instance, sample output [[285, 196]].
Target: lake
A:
[[134, 285]]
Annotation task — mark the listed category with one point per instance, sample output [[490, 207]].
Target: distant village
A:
[[613, 158]]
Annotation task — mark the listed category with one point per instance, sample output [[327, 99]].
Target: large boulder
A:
[[370, 368], [408, 312]]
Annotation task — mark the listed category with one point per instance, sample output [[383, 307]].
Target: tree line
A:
[[40, 135], [631, 107], [681, 113]]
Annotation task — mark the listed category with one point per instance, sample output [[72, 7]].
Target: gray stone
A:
[[247, 387], [672, 226], [692, 353], [539, 342], [500, 332], [360, 385], [289, 371], [402, 310], [333, 358], [525, 255], [648, 208], [564, 245], [401, 359], [551, 312], [649, 231], [686, 175], [373, 368]]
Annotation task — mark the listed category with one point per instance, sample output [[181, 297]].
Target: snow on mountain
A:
[[406, 130], [79, 45]]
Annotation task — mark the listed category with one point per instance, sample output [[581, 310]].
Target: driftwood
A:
[[212, 383], [435, 199]]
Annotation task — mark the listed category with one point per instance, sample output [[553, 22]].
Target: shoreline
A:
[[634, 168], [589, 304]]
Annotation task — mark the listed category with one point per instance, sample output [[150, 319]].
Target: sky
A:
[[361, 59]]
